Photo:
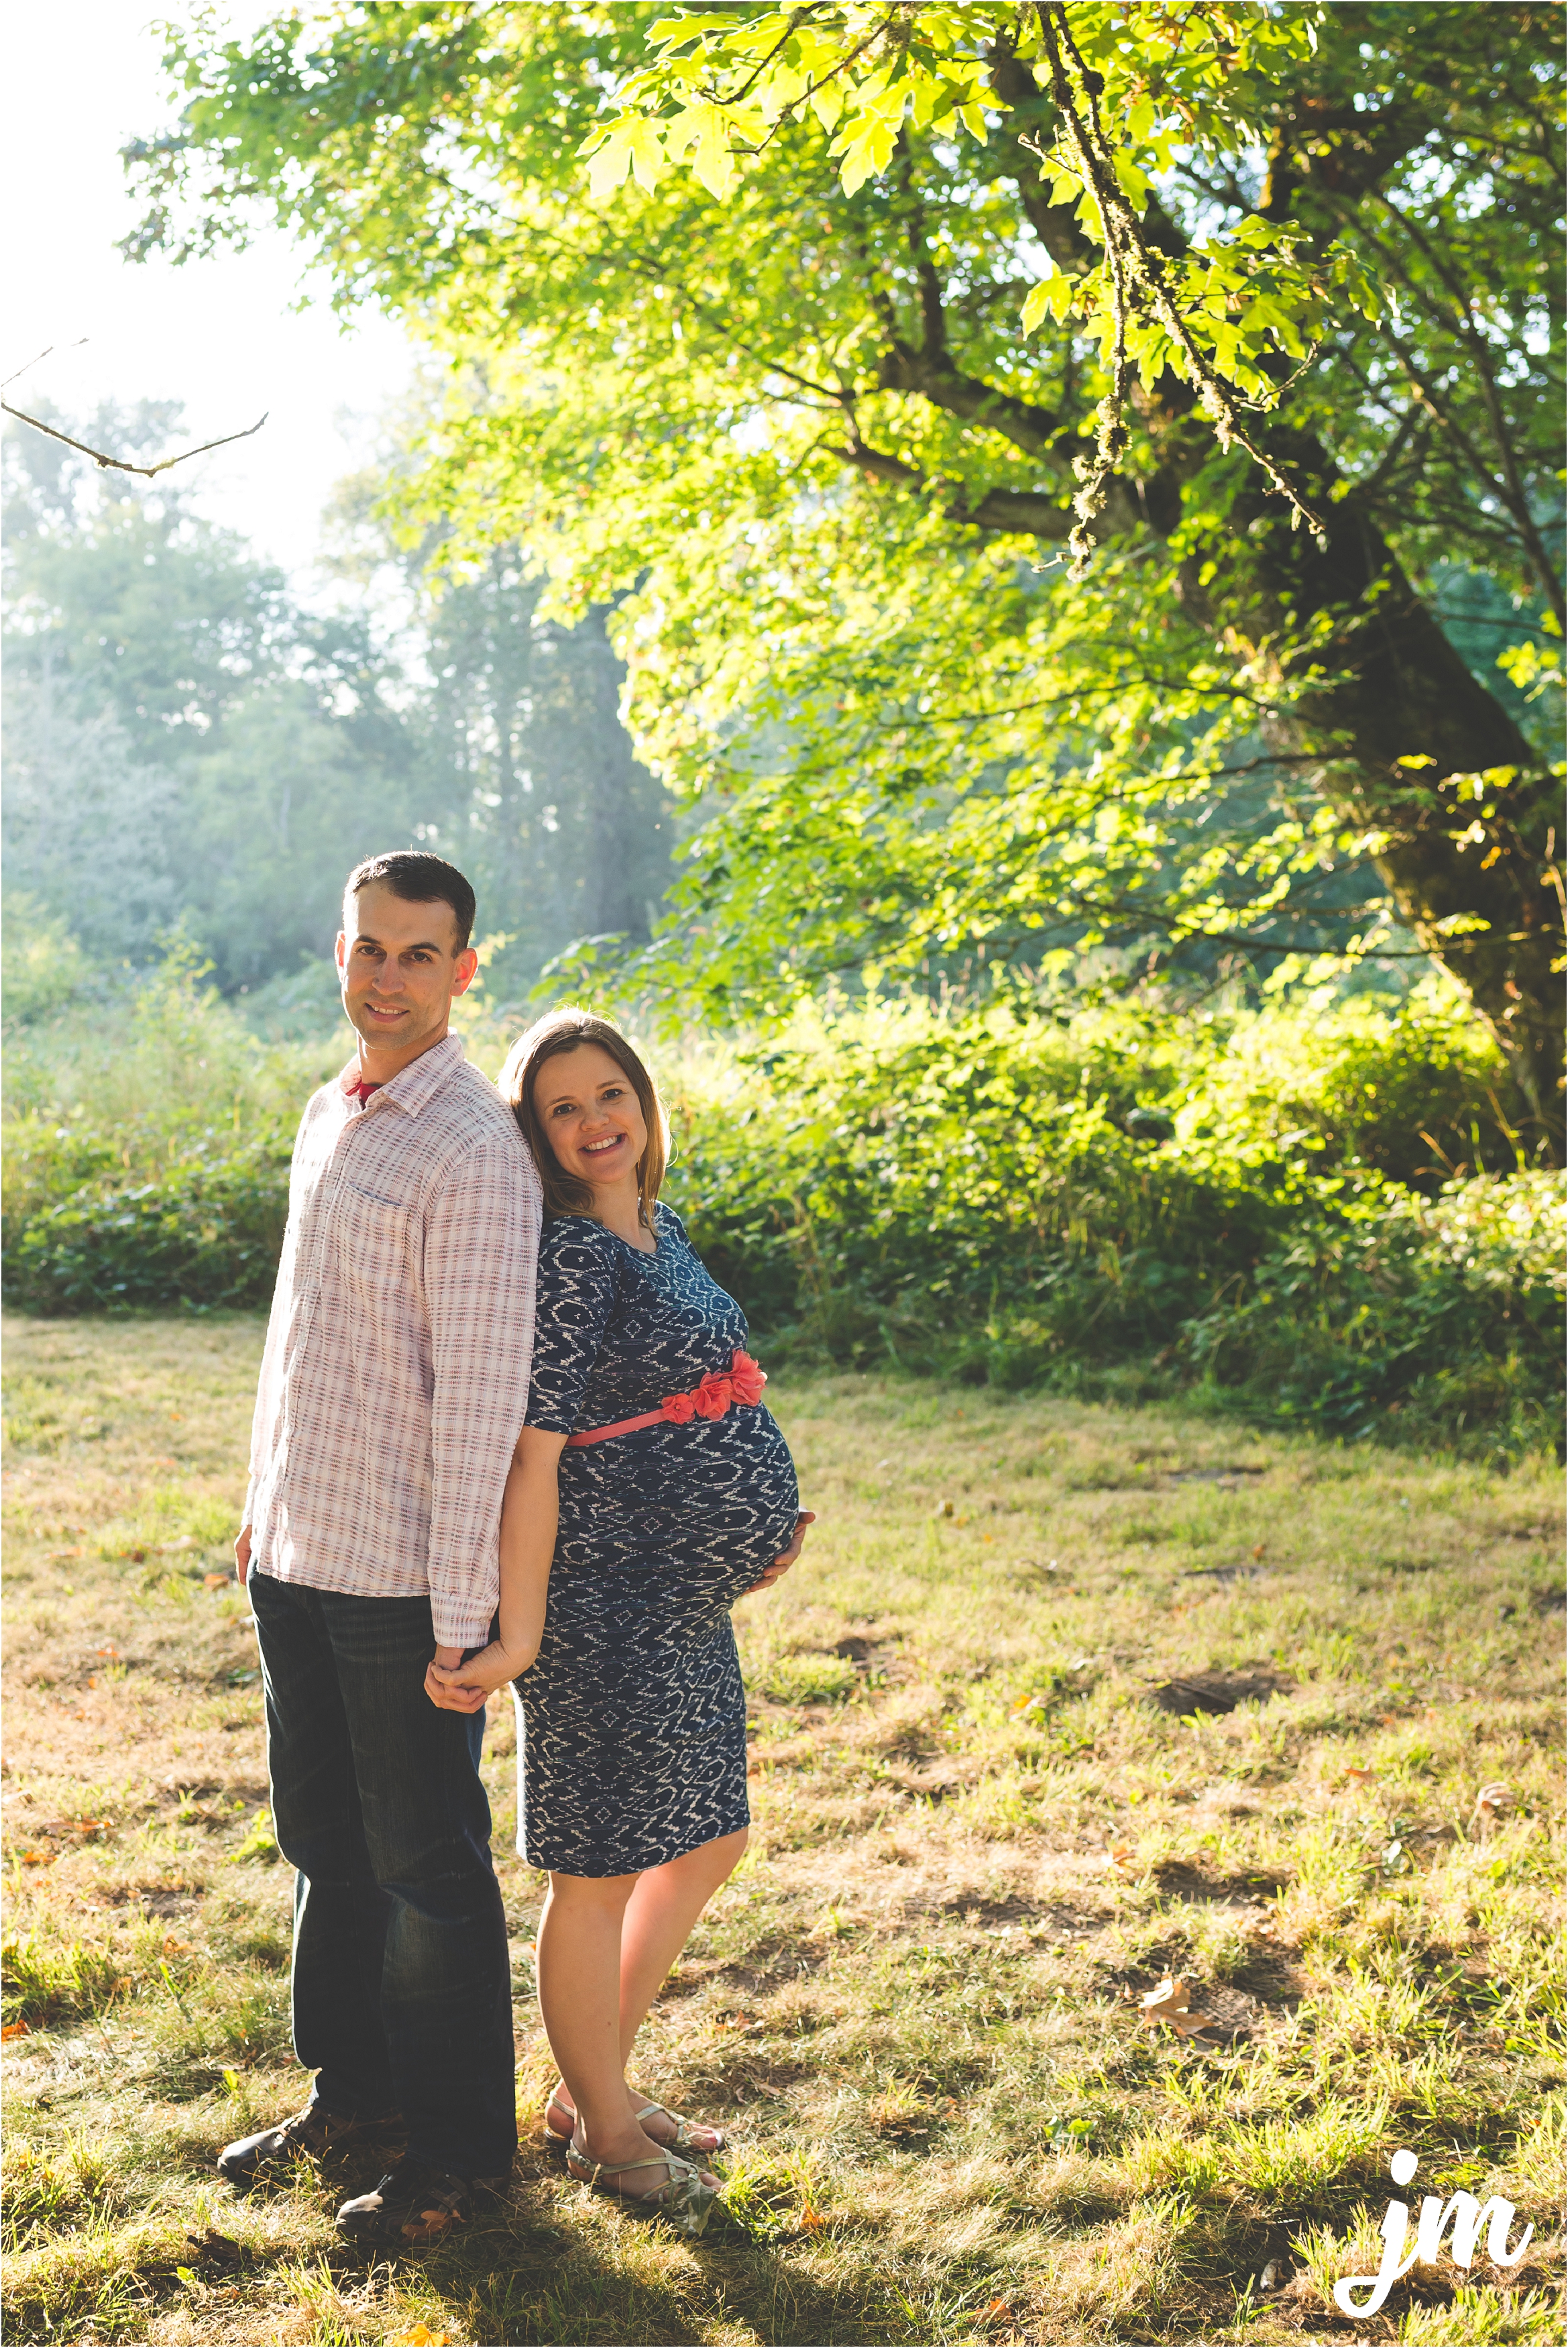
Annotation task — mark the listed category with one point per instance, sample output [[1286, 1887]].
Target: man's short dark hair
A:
[[419, 880]]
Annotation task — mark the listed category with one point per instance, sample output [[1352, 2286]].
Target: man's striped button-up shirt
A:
[[395, 1375]]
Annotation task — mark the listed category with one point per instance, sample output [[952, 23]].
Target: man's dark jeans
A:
[[402, 1984]]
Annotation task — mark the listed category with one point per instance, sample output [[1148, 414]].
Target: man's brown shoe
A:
[[314, 2130], [414, 2206]]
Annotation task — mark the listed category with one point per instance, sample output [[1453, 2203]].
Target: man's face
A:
[[400, 969]]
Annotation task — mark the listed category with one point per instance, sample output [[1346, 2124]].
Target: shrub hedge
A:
[[1117, 1204], [205, 1235], [999, 1208]]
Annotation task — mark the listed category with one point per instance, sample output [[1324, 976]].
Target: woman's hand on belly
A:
[[783, 1562]]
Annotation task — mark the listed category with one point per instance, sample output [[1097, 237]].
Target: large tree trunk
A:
[[1465, 820]]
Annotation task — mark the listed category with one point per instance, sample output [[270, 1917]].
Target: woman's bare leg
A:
[[579, 2001], [656, 1922]]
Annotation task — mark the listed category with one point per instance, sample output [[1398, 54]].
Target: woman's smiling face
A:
[[588, 1108]]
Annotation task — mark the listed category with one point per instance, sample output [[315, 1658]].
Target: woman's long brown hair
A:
[[565, 1031]]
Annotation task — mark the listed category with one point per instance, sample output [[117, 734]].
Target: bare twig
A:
[[121, 464], [33, 362]]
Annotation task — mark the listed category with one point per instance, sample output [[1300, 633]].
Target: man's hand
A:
[[782, 1564], [445, 1659], [242, 1554], [454, 1685]]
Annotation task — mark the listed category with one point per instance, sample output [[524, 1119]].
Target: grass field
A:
[[979, 1841]]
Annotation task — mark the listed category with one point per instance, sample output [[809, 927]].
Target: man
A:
[[392, 1394]]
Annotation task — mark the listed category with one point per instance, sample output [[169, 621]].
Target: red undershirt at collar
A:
[[361, 1090]]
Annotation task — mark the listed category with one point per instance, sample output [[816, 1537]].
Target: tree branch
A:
[[936, 378], [1027, 512], [1367, 146], [120, 464], [1056, 225], [1407, 430], [1460, 322], [933, 318], [1509, 491]]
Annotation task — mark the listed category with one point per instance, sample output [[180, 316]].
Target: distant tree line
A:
[[191, 748]]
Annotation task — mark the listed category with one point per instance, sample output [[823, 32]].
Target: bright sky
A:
[[222, 335]]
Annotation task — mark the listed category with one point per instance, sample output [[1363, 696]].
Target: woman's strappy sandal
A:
[[683, 2141], [682, 2200], [558, 2138]]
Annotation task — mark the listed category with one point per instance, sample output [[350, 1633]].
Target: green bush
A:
[[1440, 1322], [205, 1236], [1133, 1204], [147, 1142], [122, 1084], [42, 967], [1234, 1203], [1417, 1094]]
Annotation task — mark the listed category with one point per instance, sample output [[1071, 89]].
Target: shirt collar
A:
[[419, 1082]]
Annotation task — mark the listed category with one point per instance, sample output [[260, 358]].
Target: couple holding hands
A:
[[507, 1430]]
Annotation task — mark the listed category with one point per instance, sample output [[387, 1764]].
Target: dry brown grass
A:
[[977, 1839]]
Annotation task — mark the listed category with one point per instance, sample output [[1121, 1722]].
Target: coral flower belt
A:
[[742, 1382]]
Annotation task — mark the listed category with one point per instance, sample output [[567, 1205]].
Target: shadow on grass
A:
[[532, 2271], [578, 2295]]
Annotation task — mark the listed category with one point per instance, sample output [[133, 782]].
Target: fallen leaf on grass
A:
[[420, 2337], [52, 1555], [221, 2247], [1360, 1777], [39, 1858], [16, 2029], [1119, 1857], [215, 1580], [1490, 1805], [1171, 2002]]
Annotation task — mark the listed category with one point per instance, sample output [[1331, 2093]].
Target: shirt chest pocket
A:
[[375, 1243]]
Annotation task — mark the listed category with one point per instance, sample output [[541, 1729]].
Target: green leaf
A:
[[827, 105], [1037, 305]]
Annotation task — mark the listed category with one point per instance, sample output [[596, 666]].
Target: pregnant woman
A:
[[650, 1491]]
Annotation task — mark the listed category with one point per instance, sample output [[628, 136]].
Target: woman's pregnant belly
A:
[[702, 1506]]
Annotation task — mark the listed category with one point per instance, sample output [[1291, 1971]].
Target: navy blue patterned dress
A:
[[632, 1723]]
